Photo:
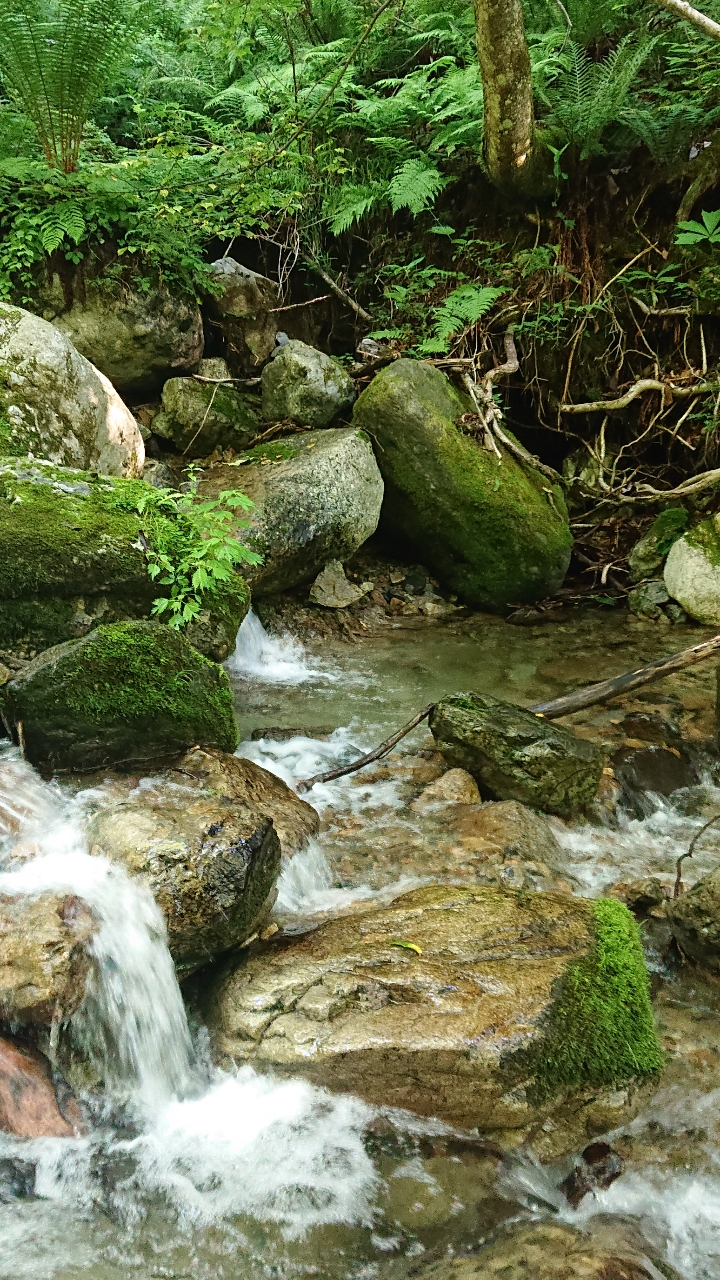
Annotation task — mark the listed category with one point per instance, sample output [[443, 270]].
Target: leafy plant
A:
[[464, 306], [199, 559], [56, 60], [703, 233]]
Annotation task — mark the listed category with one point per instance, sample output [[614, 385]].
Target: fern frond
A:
[[414, 186]]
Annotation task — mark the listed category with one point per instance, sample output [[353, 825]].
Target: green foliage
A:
[[56, 60], [197, 554], [705, 233], [601, 1031], [464, 306]]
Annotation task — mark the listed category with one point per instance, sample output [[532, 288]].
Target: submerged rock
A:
[[44, 962], [648, 555], [137, 339], [304, 384], [200, 416], [481, 1006], [497, 533], [647, 600], [127, 692], [72, 556], [516, 755], [317, 498], [601, 1250], [692, 571], [54, 404], [695, 921], [29, 1108], [241, 308]]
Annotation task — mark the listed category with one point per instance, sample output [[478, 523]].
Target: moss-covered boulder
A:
[[482, 1006], [497, 533], [303, 383], [692, 571], [317, 498], [130, 691], [648, 555], [56, 405], [515, 755], [695, 921], [200, 416], [72, 555]]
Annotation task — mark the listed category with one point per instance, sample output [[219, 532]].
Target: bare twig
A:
[[678, 878], [372, 756], [295, 306]]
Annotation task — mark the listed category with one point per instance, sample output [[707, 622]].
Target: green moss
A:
[[128, 691], [668, 527], [601, 1030], [279, 451], [706, 537]]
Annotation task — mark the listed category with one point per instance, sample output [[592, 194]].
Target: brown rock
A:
[[44, 961], [456, 786], [512, 830], [28, 1105]]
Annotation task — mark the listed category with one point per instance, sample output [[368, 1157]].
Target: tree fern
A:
[[56, 60]]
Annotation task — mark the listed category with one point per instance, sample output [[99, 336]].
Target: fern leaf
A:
[[414, 186]]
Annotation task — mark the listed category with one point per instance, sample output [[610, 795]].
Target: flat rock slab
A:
[[453, 1002], [515, 755], [44, 959]]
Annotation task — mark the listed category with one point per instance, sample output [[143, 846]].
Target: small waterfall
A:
[[271, 659]]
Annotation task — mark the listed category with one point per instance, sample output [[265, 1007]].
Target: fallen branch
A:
[[638, 389], [372, 756], [339, 293], [594, 694]]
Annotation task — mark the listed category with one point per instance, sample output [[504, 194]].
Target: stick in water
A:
[[377, 754]]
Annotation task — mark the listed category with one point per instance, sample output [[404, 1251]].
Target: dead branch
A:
[[638, 389], [372, 756], [595, 694], [295, 306], [339, 293], [681, 9]]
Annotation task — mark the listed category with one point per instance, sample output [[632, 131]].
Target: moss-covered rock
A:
[[695, 921], [72, 556], [483, 1006], [497, 533], [317, 498], [648, 555], [199, 416], [56, 405], [692, 571], [303, 383], [130, 691], [515, 755]]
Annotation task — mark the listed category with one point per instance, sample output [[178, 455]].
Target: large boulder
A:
[[695, 921], [56, 405], [317, 498], [72, 556], [137, 339], [692, 571], [496, 532], [303, 383], [44, 962], [515, 755], [129, 691], [241, 307], [200, 416], [481, 1006]]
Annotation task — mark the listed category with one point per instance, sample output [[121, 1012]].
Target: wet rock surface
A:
[[131, 691], [695, 921], [44, 958], [317, 498], [57, 405], [439, 1003], [515, 755], [305, 385], [29, 1108]]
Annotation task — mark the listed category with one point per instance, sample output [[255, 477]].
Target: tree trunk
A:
[[509, 121]]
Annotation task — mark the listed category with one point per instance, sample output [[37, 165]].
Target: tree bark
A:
[[509, 118], [681, 9]]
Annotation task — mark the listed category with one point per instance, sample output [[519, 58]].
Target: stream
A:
[[190, 1171]]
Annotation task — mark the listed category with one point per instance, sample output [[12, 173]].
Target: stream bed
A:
[[189, 1171]]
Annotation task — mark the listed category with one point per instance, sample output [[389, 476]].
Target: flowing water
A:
[[190, 1171]]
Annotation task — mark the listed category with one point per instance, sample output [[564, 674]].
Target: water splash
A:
[[271, 659]]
